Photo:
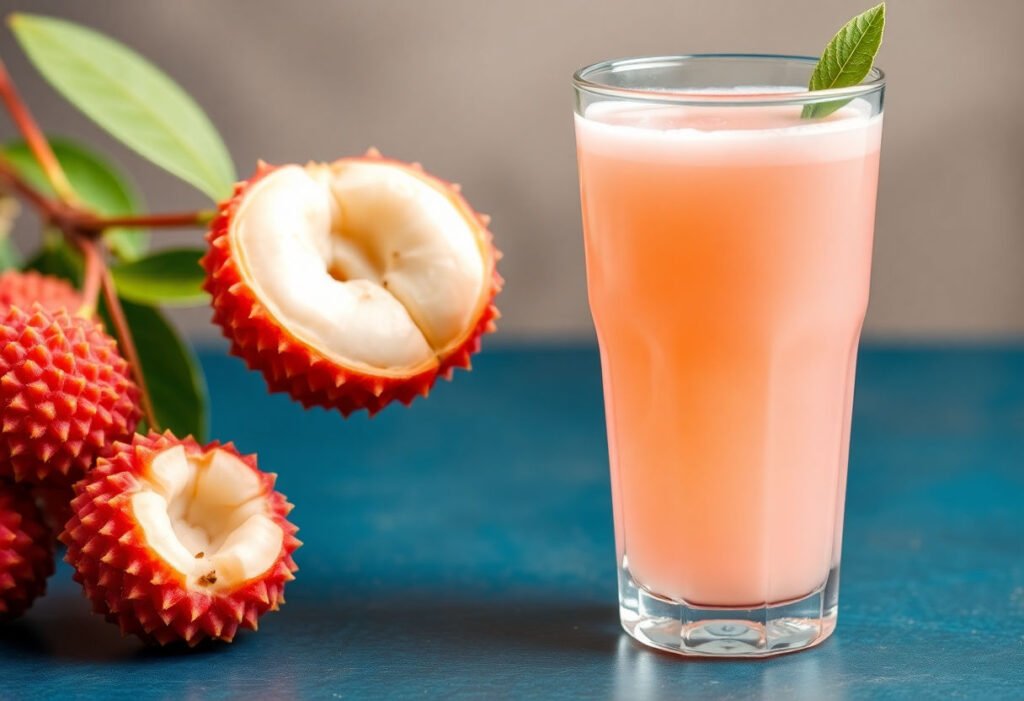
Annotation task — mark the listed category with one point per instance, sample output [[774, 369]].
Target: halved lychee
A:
[[175, 541], [354, 283]]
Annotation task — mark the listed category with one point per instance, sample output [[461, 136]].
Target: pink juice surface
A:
[[728, 259]]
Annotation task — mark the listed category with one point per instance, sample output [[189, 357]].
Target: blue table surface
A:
[[463, 549]]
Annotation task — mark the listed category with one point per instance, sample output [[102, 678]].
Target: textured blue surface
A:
[[463, 549]]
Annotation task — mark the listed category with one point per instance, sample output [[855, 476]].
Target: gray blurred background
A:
[[479, 92]]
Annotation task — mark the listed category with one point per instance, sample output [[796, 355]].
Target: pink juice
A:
[[728, 259]]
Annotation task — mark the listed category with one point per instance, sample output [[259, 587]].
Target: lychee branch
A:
[[65, 212], [127, 343], [34, 137], [74, 218], [158, 221], [83, 228], [93, 277], [12, 182]]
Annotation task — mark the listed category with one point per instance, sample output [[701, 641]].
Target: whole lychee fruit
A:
[[22, 289], [65, 395], [26, 551], [351, 284], [174, 541]]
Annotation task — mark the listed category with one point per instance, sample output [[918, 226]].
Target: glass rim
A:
[[874, 81]]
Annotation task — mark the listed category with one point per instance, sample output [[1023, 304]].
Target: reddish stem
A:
[[34, 137], [124, 339], [94, 267], [73, 218], [10, 178], [157, 221]]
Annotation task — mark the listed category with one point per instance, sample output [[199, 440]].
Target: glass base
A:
[[773, 629]]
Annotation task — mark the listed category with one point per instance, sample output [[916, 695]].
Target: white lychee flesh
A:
[[208, 518], [365, 261]]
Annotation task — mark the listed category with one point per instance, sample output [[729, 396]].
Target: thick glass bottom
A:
[[772, 629]]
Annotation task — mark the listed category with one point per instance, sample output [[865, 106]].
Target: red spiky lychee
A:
[[174, 541], [22, 289], [351, 284], [26, 551], [65, 395]]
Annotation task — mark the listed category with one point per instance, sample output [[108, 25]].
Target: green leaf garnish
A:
[[132, 99], [173, 376], [100, 185], [847, 59], [167, 277]]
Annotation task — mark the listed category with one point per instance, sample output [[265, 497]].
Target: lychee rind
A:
[[22, 289], [130, 585], [65, 395], [308, 375], [26, 552]]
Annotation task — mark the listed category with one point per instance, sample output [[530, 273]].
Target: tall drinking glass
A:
[[728, 245]]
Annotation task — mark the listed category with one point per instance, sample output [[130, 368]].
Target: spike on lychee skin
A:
[[65, 394], [157, 583], [22, 289], [317, 375], [26, 551]]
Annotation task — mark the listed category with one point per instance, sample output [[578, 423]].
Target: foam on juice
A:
[[717, 133]]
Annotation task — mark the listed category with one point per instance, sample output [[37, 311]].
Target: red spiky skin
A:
[[22, 289], [289, 365], [26, 551], [130, 585], [65, 395]]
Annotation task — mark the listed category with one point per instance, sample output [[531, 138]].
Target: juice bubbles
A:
[[728, 257]]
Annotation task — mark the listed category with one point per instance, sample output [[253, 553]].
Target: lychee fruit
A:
[[26, 551], [354, 283], [174, 541], [22, 289], [65, 395]]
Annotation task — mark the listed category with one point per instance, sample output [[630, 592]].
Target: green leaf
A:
[[10, 256], [173, 376], [132, 99], [96, 181], [847, 59], [167, 277]]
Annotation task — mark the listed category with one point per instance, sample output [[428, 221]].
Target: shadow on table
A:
[[492, 623], [62, 627], [550, 635]]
